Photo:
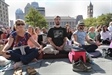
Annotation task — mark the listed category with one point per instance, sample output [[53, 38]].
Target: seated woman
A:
[[40, 37], [31, 31], [105, 35], [21, 52], [92, 33]]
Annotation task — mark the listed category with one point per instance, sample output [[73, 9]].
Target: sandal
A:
[[31, 70], [18, 71]]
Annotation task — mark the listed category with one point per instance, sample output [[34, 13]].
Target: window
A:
[[17, 17], [91, 10]]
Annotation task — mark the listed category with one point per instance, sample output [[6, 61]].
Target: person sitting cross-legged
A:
[[57, 38], [80, 36], [21, 53]]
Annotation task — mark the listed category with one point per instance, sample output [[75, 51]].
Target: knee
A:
[[35, 51], [10, 52], [95, 46]]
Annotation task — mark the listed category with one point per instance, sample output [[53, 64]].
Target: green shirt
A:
[[92, 35]]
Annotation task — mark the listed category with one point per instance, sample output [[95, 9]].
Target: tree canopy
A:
[[90, 22], [35, 19], [103, 19]]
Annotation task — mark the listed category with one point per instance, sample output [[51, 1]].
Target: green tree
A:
[[104, 19], [35, 19], [90, 22]]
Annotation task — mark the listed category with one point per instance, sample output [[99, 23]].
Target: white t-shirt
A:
[[105, 35]]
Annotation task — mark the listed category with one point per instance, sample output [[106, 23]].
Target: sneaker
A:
[[80, 66], [88, 66], [109, 52], [104, 53]]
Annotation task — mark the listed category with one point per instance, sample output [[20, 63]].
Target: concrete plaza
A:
[[101, 66]]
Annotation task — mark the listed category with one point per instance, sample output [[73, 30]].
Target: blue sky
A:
[[70, 8]]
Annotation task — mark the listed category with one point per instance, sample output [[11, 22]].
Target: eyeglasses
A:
[[81, 25], [20, 24]]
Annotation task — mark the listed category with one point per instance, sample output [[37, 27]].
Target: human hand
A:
[[40, 50], [40, 47], [59, 48], [98, 43], [79, 44], [6, 55]]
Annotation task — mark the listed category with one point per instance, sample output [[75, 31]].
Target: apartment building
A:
[[4, 18]]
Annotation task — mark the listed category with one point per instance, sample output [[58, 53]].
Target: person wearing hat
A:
[[80, 36]]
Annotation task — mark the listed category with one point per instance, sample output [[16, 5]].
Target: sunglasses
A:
[[20, 24], [81, 25]]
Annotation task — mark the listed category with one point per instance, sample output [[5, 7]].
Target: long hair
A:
[[37, 28], [104, 29], [33, 31]]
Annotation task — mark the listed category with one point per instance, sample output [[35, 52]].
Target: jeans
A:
[[16, 55], [90, 48]]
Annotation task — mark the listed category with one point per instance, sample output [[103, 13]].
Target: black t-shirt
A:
[[69, 34], [57, 35], [1, 32], [40, 39]]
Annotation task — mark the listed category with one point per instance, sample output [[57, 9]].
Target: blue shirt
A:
[[80, 37]]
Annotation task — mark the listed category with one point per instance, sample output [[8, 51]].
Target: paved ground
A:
[[102, 66]]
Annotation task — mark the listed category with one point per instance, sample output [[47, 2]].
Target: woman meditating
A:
[[21, 53]]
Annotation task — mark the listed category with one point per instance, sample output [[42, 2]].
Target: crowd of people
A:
[[23, 46]]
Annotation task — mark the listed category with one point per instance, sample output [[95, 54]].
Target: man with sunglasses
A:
[[80, 36]]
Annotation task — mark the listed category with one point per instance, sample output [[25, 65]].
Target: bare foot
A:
[[98, 43], [17, 64], [34, 60]]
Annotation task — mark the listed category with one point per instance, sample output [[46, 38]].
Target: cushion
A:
[[95, 54], [62, 54]]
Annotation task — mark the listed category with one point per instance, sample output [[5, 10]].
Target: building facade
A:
[[11, 23], [4, 18], [79, 18], [20, 14], [90, 10], [64, 20]]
